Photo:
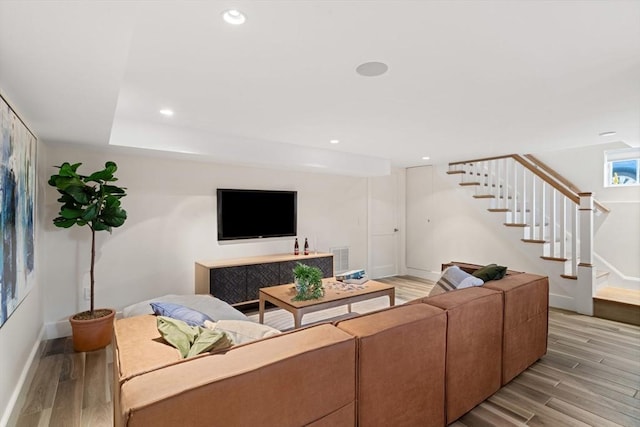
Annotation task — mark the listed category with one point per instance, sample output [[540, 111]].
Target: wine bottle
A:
[[296, 248], [306, 246]]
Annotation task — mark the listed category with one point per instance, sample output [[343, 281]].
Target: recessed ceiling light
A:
[[372, 69], [426, 158], [166, 112], [335, 141], [233, 17], [607, 133]]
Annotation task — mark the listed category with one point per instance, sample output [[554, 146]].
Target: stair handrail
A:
[[544, 172], [563, 180]]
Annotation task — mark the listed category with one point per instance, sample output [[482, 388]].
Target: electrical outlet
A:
[[87, 294]]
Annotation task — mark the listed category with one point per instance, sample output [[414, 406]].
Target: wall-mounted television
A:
[[254, 214]]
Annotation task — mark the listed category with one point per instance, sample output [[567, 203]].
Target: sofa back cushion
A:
[[401, 365], [526, 317], [474, 346]]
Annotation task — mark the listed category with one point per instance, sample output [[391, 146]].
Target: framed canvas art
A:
[[17, 210]]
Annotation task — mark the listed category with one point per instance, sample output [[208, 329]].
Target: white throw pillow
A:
[[242, 331]]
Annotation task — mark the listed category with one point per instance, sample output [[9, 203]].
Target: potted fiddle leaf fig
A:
[[92, 201]]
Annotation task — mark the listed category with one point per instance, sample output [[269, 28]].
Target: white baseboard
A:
[[10, 417], [562, 301], [424, 274], [59, 329]]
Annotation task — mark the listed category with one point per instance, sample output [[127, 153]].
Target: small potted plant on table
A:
[[93, 201], [308, 282]]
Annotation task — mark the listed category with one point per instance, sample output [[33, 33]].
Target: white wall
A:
[[444, 223], [171, 208]]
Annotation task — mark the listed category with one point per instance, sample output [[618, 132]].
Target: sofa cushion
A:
[[401, 365], [139, 347], [526, 315], [474, 346], [454, 278], [490, 272], [176, 311]]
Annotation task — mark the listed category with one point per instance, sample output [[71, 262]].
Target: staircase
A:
[[548, 213]]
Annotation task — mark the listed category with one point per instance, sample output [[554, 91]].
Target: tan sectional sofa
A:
[[424, 363]]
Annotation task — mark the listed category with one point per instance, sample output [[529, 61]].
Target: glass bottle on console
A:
[[296, 248], [306, 246]]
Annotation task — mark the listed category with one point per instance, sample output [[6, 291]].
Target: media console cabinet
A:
[[237, 281]]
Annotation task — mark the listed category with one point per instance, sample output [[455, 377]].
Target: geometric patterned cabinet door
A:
[[325, 264], [237, 281], [261, 276], [229, 284], [286, 271]]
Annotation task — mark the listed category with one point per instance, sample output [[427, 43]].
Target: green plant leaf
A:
[[113, 190], [69, 170], [78, 194], [91, 213], [63, 222], [70, 212], [104, 175], [64, 182], [100, 226]]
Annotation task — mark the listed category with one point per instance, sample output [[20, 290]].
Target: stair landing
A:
[[621, 305]]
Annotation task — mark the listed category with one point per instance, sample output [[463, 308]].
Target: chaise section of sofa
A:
[[401, 365], [306, 377]]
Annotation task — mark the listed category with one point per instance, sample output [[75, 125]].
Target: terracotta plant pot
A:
[[92, 334]]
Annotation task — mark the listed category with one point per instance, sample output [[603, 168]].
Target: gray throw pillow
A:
[[454, 278]]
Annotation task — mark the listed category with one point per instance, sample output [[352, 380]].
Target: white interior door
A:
[[420, 250], [383, 225]]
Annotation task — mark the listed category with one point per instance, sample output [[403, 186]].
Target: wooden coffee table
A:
[[281, 296]]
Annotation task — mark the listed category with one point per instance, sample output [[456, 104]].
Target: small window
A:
[[622, 167]]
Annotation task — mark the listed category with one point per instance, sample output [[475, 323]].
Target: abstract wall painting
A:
[[17, 210]]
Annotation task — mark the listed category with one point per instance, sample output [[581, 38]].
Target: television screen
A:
[[251, 214]]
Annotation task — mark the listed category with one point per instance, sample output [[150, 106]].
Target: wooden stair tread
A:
[[533, 241], [499, 210], [468, 183], [484, 196], [569, 276], [622, 295], [550, 258], [455, 172]]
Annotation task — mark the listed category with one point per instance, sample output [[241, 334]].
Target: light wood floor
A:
[[590, 375]]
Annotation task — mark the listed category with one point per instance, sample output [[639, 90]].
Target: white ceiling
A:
[[466, 78]]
